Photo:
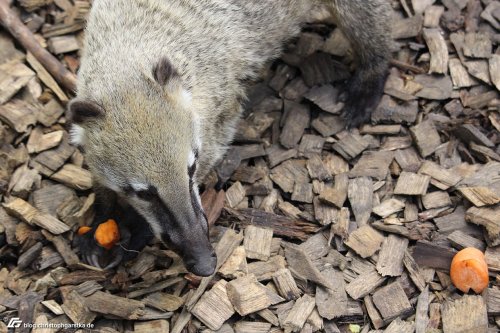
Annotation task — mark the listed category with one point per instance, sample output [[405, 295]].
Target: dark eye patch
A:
[[148, 194]]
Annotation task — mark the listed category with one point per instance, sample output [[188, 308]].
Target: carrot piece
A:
[[107, 234], [469, 270], [83, 230]]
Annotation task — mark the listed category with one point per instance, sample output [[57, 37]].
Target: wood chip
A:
[[298, 117], [360, 194], [389, 207], [390, 259], [350, 146], [373, 164], [364, 284], [299, 313], [285, 284], [441, 177], [466, 314], [391, 301], [332, 303], [436, 199], [426, 137], [235, 194], [438, 50], [13, 77], [74, 177], [257, 242], [301, 265], [214, 307], [153, 326], [487, 217], [247, 295], [365, 241], [121, 307]]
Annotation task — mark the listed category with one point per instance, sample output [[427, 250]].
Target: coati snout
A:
[[146, 149]]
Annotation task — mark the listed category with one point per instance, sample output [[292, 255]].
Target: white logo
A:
[[14, 322]]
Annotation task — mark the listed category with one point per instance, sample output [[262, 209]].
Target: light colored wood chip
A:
[[465, 314], [257, 242], [390, 259], [214, 307]]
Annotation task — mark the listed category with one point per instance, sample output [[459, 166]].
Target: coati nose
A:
[[202, 266]]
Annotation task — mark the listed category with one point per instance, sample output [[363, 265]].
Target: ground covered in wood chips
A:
[[317, 229]]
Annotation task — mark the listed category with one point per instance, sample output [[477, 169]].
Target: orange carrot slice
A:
[[107, 234], [83, 230], [469, 270]]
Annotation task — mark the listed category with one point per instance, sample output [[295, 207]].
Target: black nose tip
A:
[[203, 266]]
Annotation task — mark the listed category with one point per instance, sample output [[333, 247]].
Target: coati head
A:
[[143, 143]]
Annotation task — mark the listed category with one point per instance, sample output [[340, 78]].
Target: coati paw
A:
[[94, 254], [363, 96]]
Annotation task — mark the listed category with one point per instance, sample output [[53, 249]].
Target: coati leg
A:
[[365, 23], [135, 233]]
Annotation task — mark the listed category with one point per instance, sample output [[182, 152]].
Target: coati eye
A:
[[150, 193]]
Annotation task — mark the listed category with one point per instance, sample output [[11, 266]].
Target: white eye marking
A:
[[191, 159], [138, 186], [186, 97], [77, 134]]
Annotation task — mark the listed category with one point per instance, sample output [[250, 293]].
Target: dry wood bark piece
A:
[[406, 28], [23, 181], [338, 194], [470, 133], [421, 312], [247, 295], [350, 146], [441, 177], [459, 75], [332, 302], [380, 129], [408, 159], [285, 284], [152, 326], [251, 327], [236, 265], [438, 50], [76, 308], [412, 184], [373, 164], [487, 217], [493, 302], [389, 110], [432, 16], [466, 314], [480, 195], [235, 194], [400, 326], [301, 265], [365, 241], [63, 44], [297, 120], [164, 302], [324, 96], [13, 77], [492, 256], [121, 307], [214, 307], [360, 194], [324, 213], [391, 301], [29, 214], [461, 240], [328, 124], [317, 169], [494, 65], [434, 87], [288, 173], [311, 145], [389, 207], [50, 161], [373, 313], [46, 77], [53, 306], [426, 137], [436, 199], [257, 242], [341, 225], [39, 142], [433, 256], [302, 192], [414, 271], [281, 225], [74, 177], [390, 259], [299, 313], [276, 154], [18, 114], [477, 45], [364, 284]]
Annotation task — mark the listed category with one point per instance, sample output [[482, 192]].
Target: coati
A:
[[160, 91]]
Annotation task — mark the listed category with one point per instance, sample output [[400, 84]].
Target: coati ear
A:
[[80, 111], [164, 72]]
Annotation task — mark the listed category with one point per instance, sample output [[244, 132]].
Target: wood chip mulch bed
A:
[[317, 229]]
